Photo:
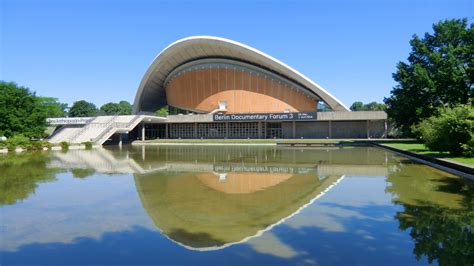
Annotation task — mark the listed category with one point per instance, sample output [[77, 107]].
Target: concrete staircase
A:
[[98, 130]]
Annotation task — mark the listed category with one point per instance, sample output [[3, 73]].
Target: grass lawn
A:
[[421, 149]]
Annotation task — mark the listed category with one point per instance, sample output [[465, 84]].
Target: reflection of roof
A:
[[241, 183], [151, 93], [200, 217]]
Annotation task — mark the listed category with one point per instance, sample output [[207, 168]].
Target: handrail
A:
[[107, 128], [89, 125], [116, 125]]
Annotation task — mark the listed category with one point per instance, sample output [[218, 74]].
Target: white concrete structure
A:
[[151, 93], [100, 128]]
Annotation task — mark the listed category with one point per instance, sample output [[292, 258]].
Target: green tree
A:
[[82, 109], [125, 108], [439, 72], [372, 106], [53, 107], [21, 112], [357, 106], [451, 129], [121, 108], [163, 111], [110, 109]]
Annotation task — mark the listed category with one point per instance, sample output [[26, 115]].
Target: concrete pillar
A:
[[259, 130], [330, 128], [143, 131], [264, 130], [226, 130], [294, 129], [195, 130], [166, 130], [368, 129]]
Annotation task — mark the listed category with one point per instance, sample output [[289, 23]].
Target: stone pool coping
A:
[[456, 168]]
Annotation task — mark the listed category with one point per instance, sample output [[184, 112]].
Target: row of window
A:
[[216, 130]]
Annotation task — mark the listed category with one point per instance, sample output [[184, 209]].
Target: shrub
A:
[[64, 145], [88, 145], [450, 130], [468, 148], [17, 141]]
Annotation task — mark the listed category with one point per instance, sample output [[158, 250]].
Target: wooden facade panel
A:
[[202, 90]]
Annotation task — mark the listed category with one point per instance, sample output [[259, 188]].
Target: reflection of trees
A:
[[438, 211], [20, 174], [82, 172]]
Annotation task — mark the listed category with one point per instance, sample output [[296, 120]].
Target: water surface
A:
[[231, 205]]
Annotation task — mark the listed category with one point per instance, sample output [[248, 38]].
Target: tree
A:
[[53, 107], [121, 108], [125, 108], [372, 106], [357, 106], [21, 112], [439, 72], [110, 109], [163, 111], [450, 130], [82, 109]]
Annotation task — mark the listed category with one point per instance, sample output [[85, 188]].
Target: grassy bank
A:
[[420, 148]]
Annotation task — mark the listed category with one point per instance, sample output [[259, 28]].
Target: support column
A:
[[330, 128], [195, 130], [294, 129], [265, 130], [226, 130], [166, 130], [259, 128], [368, 129], [143, 131]]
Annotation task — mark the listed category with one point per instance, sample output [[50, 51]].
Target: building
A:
[[217, 88]]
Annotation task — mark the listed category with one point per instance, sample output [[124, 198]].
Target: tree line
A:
[[22, 112], [433, 98]]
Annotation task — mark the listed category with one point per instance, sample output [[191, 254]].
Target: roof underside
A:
[[151, 93]]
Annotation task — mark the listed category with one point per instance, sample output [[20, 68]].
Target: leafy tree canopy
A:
[[163, 111], [21, 111], [53, 107], [439, 72], [83, 109], [121, 108], [372, 106]]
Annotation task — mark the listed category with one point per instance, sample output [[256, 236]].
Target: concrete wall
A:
[[312, 130]]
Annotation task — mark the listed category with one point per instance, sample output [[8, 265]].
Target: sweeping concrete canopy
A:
[[151, 94]]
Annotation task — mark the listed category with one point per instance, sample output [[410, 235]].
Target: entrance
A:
[[273, 131]]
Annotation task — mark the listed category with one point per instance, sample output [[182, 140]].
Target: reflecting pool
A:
[[231, 205]]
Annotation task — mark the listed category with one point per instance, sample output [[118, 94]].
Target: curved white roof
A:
[[151, 93]]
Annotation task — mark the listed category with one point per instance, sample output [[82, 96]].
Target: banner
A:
[[265, 117]]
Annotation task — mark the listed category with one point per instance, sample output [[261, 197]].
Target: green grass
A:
[[421, 149]]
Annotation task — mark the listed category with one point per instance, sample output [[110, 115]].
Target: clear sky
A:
[[99, 50]]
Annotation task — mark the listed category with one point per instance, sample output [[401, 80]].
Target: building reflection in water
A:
[[208, 198]]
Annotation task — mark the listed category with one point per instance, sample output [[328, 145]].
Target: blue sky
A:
[[99, 50]]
